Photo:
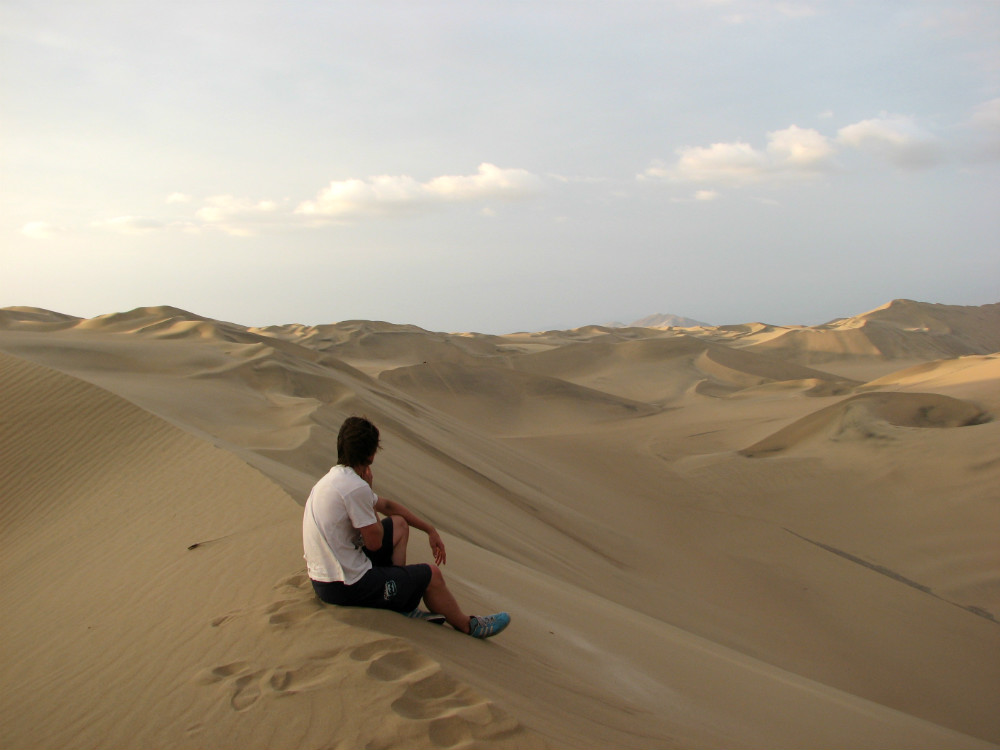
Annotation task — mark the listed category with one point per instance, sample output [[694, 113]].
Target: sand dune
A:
[[839, 588], [740, 368], [34, 318], [375, 346], [173, 631], [872, 416], [902, 329], [664, 367], [507, 402], [975, 377]]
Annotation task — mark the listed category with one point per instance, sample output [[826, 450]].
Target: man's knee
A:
[[437, 578], [400, 530]]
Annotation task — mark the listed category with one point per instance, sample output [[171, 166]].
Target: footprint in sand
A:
[[483, 721], [241, 680], [290, 611], [281, 680], [217, 674], [391, 660], [453, 713], [373, 649], [316, 671], [245, 683], [223, 619], [399, 665], [246, 691], [297, 581], [433, 696], [282, 612]]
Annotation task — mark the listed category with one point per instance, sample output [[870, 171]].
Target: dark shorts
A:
[[385, 586]]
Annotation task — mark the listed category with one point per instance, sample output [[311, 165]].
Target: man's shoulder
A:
[[345, 475], [338, 473], [335, 481], [342, 480]]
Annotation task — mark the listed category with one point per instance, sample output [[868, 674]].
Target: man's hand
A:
[[437, 546]]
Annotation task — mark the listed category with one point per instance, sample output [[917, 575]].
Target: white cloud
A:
[[349, 197], [706, 195], [388, 193], [720, 162], [237, 216], [895, 138], [489, 181], [798, 148], [130, 224], [226, 213], [792, 152], [796, 153], [245, 217], [39, 230]]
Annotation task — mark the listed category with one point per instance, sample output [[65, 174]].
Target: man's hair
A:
[[357, 442]]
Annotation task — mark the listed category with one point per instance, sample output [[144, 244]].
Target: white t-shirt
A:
[[339, 505]]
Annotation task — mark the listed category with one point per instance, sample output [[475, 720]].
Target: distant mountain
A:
[[661, 320]]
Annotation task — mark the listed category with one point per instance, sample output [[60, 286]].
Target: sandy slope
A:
[[150, 598], [704, 540]]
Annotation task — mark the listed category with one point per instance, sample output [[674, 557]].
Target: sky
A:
[[499, 166]]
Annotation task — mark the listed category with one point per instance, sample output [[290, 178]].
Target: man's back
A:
[[339, 504]]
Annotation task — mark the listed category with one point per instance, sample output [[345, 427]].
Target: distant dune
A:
[[662, 320], [902, 329], [872, 416], [708, 536]]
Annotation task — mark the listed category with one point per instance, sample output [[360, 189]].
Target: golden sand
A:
[[742, 536]]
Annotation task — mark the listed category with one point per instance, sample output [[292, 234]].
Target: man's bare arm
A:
[[389, 507], [372, 535]]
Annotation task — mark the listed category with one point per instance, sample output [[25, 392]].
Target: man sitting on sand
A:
[[355, 560]]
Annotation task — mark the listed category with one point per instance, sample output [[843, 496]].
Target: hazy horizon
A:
[[646, 321], [500, 168]]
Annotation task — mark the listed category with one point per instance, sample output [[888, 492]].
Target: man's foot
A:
[[484, 627], [419, 614]]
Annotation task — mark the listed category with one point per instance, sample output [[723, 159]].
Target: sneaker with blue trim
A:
[[433, 617], [490, 625]]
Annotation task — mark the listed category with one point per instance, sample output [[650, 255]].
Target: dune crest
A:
[[902, 329], [872, 416], [504, 401], [14, 318]]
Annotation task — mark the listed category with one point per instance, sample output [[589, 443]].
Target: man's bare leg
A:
[[400, 538], [439, 599]]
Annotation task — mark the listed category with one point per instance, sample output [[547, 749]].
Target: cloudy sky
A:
[[499, 166]]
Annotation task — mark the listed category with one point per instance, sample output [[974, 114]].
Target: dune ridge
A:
[[872, 416], [742, 535], [900, 329]]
